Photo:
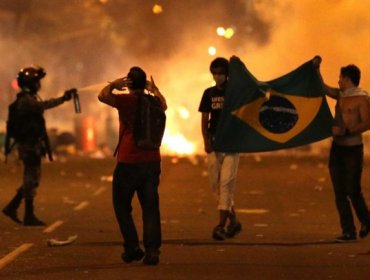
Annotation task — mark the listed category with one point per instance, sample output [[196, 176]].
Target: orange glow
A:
[[85, 127], [89, 138], [291, 41], [14, 84], [184, 113], [157, 9], [177, 144], [90, 135]]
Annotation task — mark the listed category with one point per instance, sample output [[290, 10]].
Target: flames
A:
[[177, 144], [184, 75]]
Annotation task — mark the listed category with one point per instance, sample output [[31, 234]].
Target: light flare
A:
[[183, 112], [90, 135], [212, 50], [220, 31], [229, 33], [177, 144], [157, 9]]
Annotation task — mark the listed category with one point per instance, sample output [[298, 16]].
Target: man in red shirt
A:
[[137, 170]]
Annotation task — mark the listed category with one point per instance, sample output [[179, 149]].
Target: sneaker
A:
[[130, 256], [364, 230], [346, 237], [151, 257], [219, 233], [233, 230]]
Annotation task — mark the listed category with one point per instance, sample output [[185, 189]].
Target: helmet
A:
[[29, 77]]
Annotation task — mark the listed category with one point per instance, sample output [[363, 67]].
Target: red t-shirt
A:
[[128, 152]]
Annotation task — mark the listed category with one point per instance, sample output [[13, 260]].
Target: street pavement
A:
[[284, 202]]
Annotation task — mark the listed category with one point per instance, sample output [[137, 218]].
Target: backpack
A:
[[150, 123], [14, 123], [23, 127]]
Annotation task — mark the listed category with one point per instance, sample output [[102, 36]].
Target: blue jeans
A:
[[142, 178], [345, 165]]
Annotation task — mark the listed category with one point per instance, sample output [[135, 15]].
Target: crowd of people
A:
[[138, 169]]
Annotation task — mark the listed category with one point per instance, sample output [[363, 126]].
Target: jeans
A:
[[222, 169], [345, 165], [142, 178]]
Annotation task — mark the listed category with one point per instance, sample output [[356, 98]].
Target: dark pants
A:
[[345, 165], [143, 179], [31, 158]]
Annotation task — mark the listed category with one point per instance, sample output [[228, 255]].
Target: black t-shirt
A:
[[212, 102]]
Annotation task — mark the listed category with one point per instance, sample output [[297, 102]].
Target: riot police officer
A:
[[26, 129]]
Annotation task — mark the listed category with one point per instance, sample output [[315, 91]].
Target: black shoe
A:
[[33, 221], [364, 231], [12, 215], [233, 230], [219, 233], [346, 237], [130, 256], [29, 215], [151, 257]]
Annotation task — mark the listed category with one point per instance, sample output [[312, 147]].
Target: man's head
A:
[[28, 78], [220, 70], [350, 76], [137, 77]]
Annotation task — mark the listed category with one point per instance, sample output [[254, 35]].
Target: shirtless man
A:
[[352, 118]]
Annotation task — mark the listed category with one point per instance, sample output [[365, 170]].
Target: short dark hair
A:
[[352, 72], [220, 62], [138, 78]]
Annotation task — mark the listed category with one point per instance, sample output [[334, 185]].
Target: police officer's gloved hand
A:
[[69, 93]]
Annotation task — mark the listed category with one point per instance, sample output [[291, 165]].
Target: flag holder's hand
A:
[[317, 61], [234, 57]]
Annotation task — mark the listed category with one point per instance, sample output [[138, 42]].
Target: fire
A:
[[183, 112], [90, 135], [177, 144], [178, 125]]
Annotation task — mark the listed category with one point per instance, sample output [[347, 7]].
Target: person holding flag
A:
[[222, 166], [352, 118]]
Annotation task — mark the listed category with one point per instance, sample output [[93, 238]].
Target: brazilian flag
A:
[[286, 112]]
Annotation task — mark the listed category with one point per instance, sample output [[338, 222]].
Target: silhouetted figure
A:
[[27, 131]]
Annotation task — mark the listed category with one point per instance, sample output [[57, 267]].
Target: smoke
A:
[[297, 31], [335, 29], [83, 43]]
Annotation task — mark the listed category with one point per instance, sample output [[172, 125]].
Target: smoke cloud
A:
[[82, 43]]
